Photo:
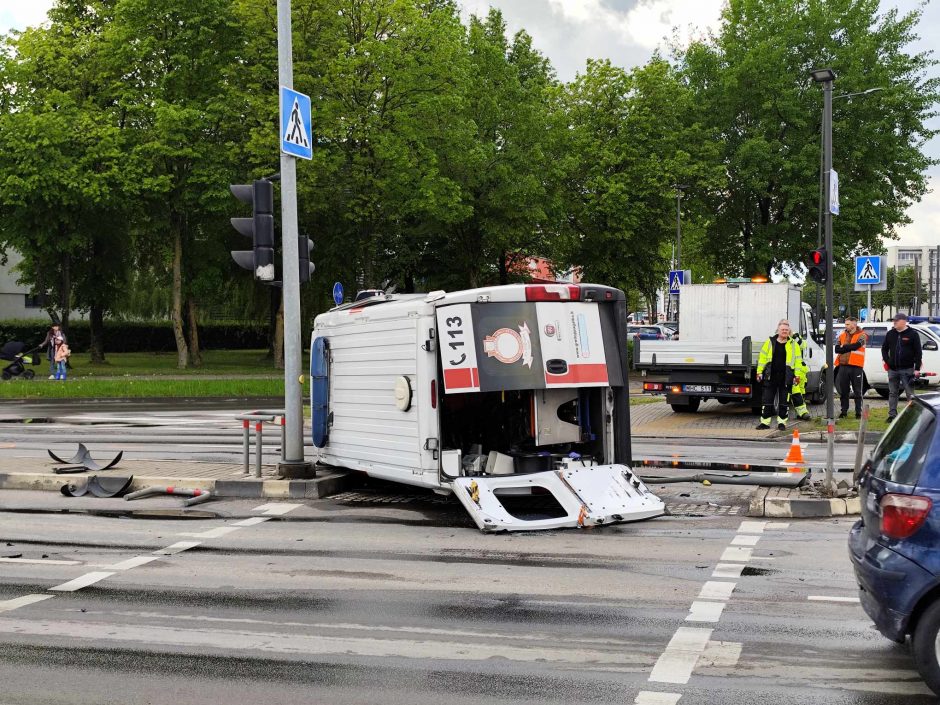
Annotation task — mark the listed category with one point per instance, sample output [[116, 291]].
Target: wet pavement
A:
[[393, 597]]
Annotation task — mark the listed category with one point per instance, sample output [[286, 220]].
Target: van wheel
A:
[[689, 408], [882, 392], [819, 396], [926, 646]]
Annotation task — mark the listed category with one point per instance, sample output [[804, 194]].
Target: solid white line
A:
[[647, 697], [82, 581], [705, 611], [735, 553], [676, 663], [777, 525], [277, 509], [752, 527], [8, 605], [716, 590], [831, 598], [177, 547], [211, 533], [38, 561], [251, 521], [745, 540], [727, 570], [134, 562]]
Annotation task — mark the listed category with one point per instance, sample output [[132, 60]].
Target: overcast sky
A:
[[625, 31]]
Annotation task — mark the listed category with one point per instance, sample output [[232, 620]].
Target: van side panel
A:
[[368, 432]]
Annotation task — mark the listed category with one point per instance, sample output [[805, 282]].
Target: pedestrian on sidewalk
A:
[[902, 356], [850, 366], [775, 371], [801, 373], [62, 353], [52, 335]]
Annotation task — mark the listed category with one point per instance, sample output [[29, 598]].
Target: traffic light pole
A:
[[292, 454], [827, 227]]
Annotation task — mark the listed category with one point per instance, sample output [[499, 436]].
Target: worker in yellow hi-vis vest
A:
[[776, 367], [801, 372]]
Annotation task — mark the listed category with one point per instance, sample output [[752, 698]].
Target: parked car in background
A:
[[668, 333], [895, 546], [646, 332], [875, 375]]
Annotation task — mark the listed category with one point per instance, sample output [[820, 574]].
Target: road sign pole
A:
[[292, 455], [868, 315], [827, 233]]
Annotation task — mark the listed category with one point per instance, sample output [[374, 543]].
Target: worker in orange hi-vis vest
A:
[[850, 365]]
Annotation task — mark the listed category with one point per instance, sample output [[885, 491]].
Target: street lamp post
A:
[[826, 77]]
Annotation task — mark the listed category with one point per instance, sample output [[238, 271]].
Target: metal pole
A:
[[827, 227], [293, 451], [678, 241], [868, 316], [246, 440], [259, 442]]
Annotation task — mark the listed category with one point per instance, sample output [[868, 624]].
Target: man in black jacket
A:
[[902, 357]]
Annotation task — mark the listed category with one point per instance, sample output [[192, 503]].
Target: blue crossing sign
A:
[[296, 129], [868, 269], [678, 277]]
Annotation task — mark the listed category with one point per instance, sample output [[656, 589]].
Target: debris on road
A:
[[196, 496], [104, 487], [82, 461]]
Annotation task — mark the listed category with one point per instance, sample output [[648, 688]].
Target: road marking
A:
[[251, 521], [727, 570], [752, 527], [676, 663], [715, 590], [134, 562], [745, 540], [647, 697], [38, 561], [82, 581], [177, 547], [777, 526], [211, 533], [736, 553], [705, 611], [274, 510], [8, 605], [831, 598]]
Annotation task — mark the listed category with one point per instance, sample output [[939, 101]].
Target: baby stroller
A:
[[16, 354]]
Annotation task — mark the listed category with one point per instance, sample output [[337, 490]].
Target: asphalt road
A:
[[338, 601]]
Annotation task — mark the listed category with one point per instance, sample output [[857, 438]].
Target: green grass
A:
[[215, 362], [877, 421], [637, 401], [138, 388]]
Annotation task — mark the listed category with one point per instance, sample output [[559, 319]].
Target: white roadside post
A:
[[292, 462]]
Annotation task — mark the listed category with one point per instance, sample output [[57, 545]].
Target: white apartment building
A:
[[16, 301], [927, 259]]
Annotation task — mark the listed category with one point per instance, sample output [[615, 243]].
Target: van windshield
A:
[[900, 455]]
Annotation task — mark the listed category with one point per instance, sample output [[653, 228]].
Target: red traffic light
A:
[[818, 269], [818, 257]]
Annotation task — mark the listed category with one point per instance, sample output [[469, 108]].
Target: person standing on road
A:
[[902, 356], [775, 371], [801, 373], [850, 365]]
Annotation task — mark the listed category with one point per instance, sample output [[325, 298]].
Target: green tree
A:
[[751, 85]]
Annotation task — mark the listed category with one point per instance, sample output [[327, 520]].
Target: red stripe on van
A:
[[463, 378], [580, 374]]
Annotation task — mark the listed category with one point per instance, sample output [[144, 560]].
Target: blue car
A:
[[895, 547]]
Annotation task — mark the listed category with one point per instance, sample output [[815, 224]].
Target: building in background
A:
[[17, 301], [926, 260]]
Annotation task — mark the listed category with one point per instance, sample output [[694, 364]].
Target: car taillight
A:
[[902, 515], [652, 386], [740, 390], [552, 292]]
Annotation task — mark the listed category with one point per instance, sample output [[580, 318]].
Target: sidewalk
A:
[[222, 479]]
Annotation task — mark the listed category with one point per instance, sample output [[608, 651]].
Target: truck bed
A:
[[689, 354]]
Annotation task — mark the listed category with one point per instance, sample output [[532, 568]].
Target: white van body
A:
[[875, 375], [474, 391]]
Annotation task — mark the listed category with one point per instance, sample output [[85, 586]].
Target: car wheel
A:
[[689, 408], [819, 396], [926, 646], [882, 392]]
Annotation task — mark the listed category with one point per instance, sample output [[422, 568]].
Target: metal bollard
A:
[[283, 436], [245, 424], [258, 444]]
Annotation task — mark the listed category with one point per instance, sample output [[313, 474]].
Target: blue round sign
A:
[[338, 293]]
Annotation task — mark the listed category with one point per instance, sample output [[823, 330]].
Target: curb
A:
[[760, 505], [326, 483], [871, 437]]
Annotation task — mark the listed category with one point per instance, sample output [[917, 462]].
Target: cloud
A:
[[19, 14]]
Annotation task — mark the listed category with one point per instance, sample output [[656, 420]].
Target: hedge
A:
[[154, 336]]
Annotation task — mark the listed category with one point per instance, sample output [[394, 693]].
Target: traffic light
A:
[[259, 227], [818, 266], [306, 266]]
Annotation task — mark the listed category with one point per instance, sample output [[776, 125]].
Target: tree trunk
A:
[[96, 325], [279, 338], [176, 312], [195, 354], [65, 293]]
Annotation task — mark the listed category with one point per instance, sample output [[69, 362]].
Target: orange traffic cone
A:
[[795, 454]]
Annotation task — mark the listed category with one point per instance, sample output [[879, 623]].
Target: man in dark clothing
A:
[[850, 366], [902, 356]]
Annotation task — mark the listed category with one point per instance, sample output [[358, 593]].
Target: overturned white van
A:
[[489, 393]]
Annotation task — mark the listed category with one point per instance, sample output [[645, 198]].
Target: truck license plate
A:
[[696, 388]]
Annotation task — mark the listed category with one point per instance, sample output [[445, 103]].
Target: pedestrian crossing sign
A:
[[868, 269], [677, 277], [296, 129]]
